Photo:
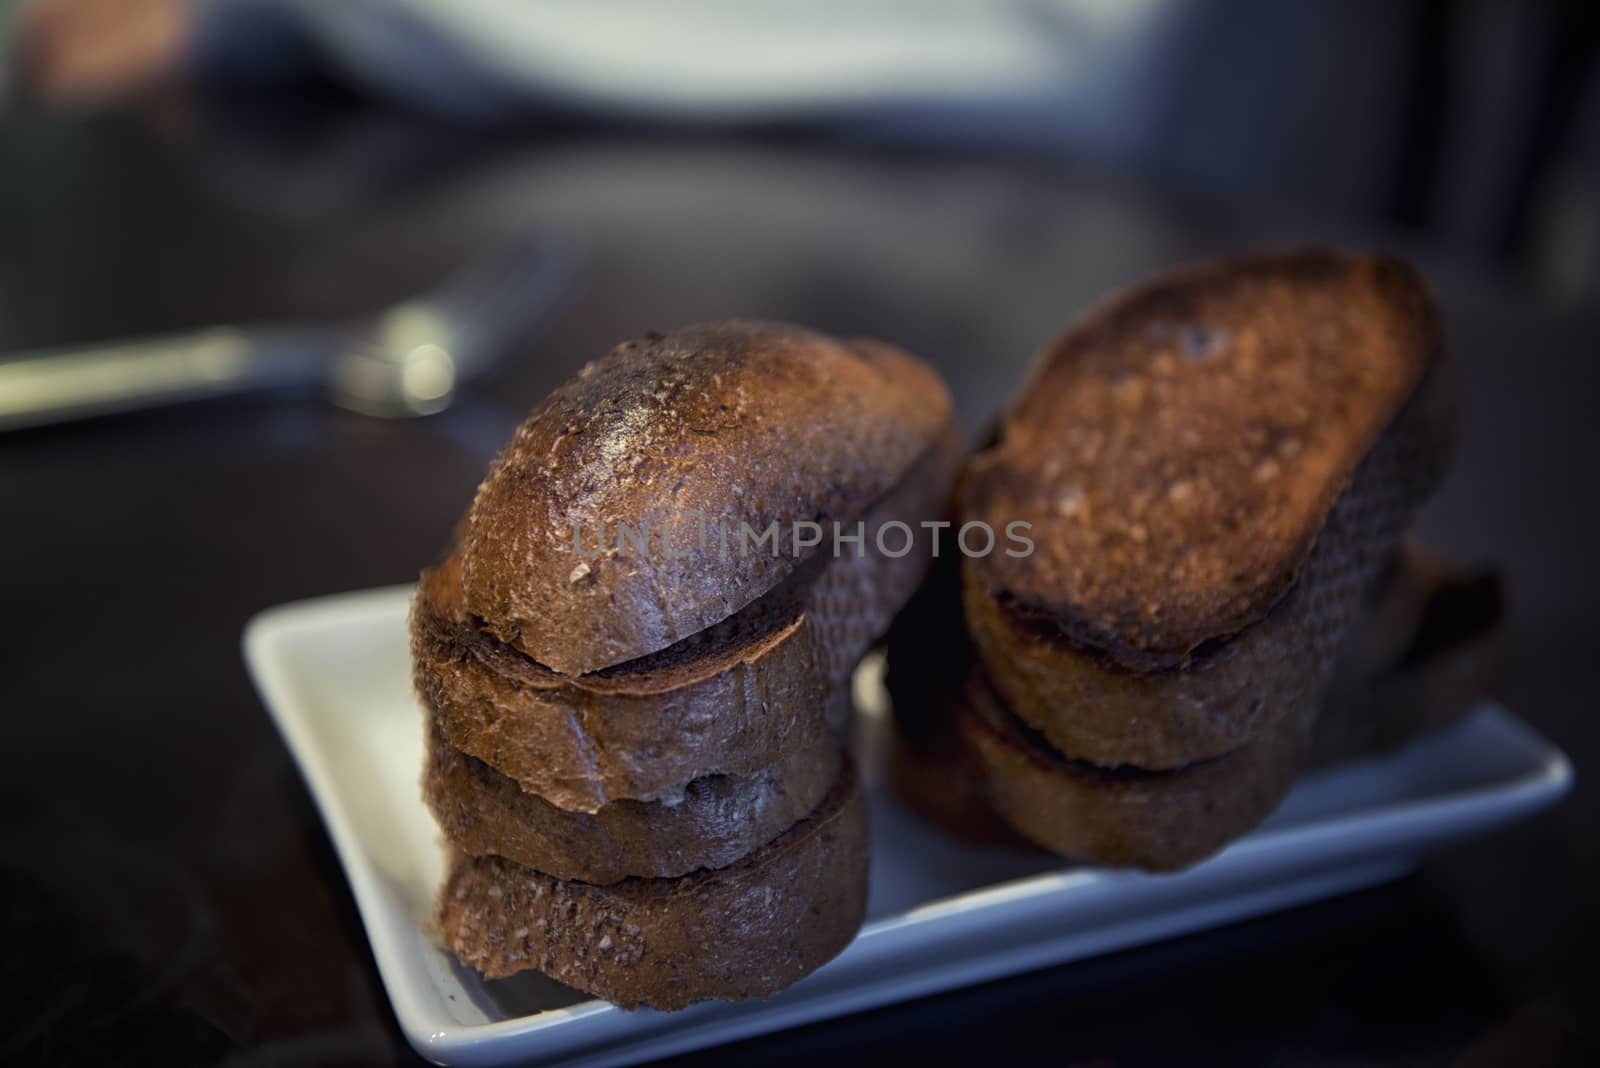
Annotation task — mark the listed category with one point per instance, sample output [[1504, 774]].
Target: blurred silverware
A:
[[407, 360]]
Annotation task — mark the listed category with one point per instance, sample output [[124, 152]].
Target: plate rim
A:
[[436, 1036]]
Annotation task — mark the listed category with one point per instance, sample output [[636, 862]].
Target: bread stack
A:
[[1430, 644], [634, 737], [1218, 469]]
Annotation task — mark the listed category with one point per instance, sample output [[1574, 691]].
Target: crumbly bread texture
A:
[[716, 821], [1179, 450], [1131, 678], [753, 423], [742, 931], [731, 699]]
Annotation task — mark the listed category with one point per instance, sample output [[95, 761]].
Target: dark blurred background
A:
[[291, 215], [1473, 122]]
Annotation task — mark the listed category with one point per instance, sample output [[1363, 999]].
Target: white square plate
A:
[[335, 674]]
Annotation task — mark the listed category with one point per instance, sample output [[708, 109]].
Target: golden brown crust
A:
[[1232, 690], [744, 931], [1178, 451], [716, 821], [755, 422]]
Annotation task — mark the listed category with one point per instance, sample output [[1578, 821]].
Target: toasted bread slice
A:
[[963, 760], [1127, 817], [1215, 468], [1428, 647], [743, 931], [714, 822], [729, 700], [752, 423]]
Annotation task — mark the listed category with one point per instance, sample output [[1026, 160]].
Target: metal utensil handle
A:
[[52, 386]]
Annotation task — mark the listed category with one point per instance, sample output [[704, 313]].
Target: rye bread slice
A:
[[743, 931], [1430, 644], [730, 700], [1298, 440], [713, 823], [964, 761], [759, 423], [1178, 450], [727, 700], [1127, 817]]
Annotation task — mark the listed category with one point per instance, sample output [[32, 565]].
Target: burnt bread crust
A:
[[1178, 451], [743, 931], [755, 422], [714, 822], [1128, 817], [730, 700], [1229, 690]]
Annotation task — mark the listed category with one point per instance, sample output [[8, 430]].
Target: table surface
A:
[[169, 894]]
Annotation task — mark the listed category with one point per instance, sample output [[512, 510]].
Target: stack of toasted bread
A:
[[1217, 469], [635, 660]]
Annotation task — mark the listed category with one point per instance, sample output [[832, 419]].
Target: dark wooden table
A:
[[169, 896]]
